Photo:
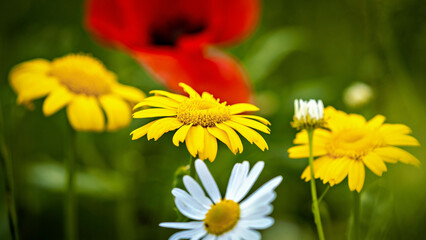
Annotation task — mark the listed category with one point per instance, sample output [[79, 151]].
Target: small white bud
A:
[[308, 114]]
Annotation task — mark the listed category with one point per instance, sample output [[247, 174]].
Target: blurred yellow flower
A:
[[349, 143], [200, 120], [80, 82]]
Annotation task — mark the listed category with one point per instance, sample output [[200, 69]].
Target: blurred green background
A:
[[301, 49]]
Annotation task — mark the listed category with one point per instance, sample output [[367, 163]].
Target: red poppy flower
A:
[[173, 39]]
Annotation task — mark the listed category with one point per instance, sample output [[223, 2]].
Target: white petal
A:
[[188, 200], [196, 191], [266, 189], [248, 234], [249, 181], [182, 225], [241, 175], [185, 234], [231, 181], [261, 223], [210, 237], [189, 211], [208, 181], [256, 212], [198, 235]]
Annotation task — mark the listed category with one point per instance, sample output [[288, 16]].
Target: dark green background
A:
[[301, 49]]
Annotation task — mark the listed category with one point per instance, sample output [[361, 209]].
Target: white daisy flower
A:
[[228, 218]]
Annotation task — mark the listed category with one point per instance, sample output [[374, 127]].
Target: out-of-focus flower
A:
[[357, 95], [80, 82], [308, 114], [350, 144], [172, 39], [200, 120], [230, 217]]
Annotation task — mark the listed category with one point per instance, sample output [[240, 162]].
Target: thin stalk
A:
[[315, 207], [323, 193], [355, 232], [70, 201], [6, 162], [192, 167]]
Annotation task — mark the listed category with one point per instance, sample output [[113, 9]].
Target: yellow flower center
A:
[[222, 217], [354, 143], [82, 74], [202, 112]]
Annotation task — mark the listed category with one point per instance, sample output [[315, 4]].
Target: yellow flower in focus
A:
[[80, 82], [199, 121], [350, 143]]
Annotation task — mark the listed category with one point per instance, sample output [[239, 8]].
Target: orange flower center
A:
[[202, 112]]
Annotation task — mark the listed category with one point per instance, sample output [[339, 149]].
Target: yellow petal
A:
[[176, 97], [320, 137], [85, 114], [376, 122], [260, 119], [180, 134], [157, 101], [192, 93], [56, 100], [195, 140], [210, 145], [249, 134], [234, 139], [243, 107], [140, 132], [36, 87], [118, 112], [221, 135], [356, 175], [129, 93], [341, 169], [319, 165], [401, 140], [375, 163], [162, 126], [251, 123], [391, 129], [154, 112], [23, 71], [394, 154], [302, 151]]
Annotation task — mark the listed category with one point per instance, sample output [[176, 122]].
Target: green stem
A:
[[6, 162], [192, 167], [323, 193], [355, 232], [9, 188], [70, 201], [315, 207]]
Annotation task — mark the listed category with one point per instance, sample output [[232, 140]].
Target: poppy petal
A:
[[213, 72]]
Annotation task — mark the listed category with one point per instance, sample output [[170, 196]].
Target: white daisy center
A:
[[222, 217], [202, 112]]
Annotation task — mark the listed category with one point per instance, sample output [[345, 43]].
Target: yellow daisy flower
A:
[[80, 82], [199, 121], [349, 143]]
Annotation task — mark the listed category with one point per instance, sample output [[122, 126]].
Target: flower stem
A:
[[70, 201], [6, 165], [323, 194], [315, 207], [9, 188], [355, 216], [192, 167]]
